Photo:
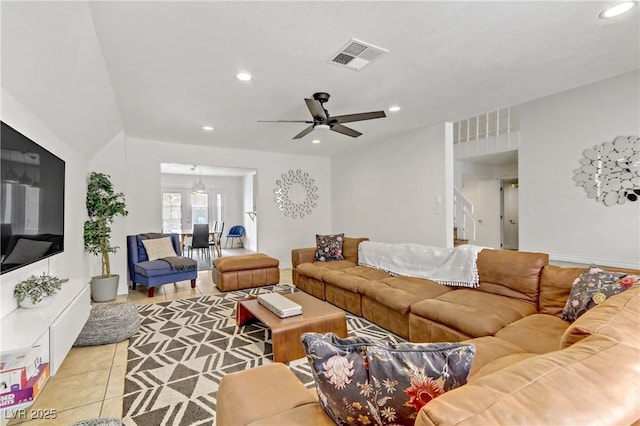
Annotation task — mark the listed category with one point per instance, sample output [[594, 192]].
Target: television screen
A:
[[32, 201]]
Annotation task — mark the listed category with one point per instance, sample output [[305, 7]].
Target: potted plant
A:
[[103, 205], [36, 291]]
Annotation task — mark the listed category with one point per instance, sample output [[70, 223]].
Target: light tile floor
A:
[[90, 381]]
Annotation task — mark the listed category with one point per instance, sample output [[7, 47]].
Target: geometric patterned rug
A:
[[185, 347]]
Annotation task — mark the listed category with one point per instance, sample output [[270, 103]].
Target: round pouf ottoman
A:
[[109, 323]]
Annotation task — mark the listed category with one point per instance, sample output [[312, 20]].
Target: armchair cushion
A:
[[158, 248]]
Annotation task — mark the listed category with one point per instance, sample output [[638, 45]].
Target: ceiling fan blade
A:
[[285, 121], [349, 118], [345, 130], [304, 133], [316, 109]]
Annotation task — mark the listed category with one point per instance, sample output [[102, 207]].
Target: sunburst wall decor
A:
[[296, 194]]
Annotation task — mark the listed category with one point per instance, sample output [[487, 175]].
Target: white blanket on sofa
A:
[[451, 266]]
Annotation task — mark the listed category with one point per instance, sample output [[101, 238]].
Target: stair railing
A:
[[463, 216]]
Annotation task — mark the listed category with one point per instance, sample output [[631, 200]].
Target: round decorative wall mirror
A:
[[296, 194], [610, 171]]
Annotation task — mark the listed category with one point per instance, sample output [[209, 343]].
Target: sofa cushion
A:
[[559, 388], [592, 288], [157, 248], [352, 283], [502, 362], [367, 272], [419, 287], [155, 268], [395, 299], [363, 381], [350, 248], [538, 333], [617, 317], [317, 269], [511, 273], [329, 247], [488, 349], [472, 312]]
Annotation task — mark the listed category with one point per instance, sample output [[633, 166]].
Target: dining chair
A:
[[200, 239], [218, 229], [236, 231]]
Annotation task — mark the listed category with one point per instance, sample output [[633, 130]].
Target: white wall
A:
[[71, 263], [556, 216], [388, 192], [277, 234], [111, 160], [250, 239]]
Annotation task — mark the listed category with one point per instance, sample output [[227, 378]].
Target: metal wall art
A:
[[296, 194], [610, 172]]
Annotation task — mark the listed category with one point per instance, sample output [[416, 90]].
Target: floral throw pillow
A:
[[593, 287], [363, 381], [329, 247]]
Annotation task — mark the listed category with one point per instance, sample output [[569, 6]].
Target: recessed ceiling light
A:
[[617, 9], [315, 141], [394, 108], [243, 76], [207, 128]]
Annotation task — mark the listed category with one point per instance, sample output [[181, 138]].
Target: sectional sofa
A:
[[531, 366]]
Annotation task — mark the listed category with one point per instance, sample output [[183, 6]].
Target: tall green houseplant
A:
[[103, 205]]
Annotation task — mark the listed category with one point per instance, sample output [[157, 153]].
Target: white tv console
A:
[[55, 326]]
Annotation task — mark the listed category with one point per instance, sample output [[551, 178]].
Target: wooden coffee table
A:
[[317, 316]]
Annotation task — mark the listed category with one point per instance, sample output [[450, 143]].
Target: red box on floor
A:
[[29, 392]]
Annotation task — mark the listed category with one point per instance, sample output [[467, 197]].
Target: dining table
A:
[[214, 240]]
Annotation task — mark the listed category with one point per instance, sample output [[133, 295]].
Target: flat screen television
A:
[[32, 201]]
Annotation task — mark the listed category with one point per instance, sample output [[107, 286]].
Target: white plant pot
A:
[[28, 304], [104, 289]]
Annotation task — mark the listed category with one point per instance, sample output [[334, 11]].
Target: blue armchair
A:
[[157, 272]]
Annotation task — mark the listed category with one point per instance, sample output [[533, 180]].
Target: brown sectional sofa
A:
[[531, 367], [422, 310]]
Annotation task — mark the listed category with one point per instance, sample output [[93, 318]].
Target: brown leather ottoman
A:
[[251, 270]]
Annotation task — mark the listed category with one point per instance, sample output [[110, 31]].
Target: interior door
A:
[[510, 215], [487, 213]]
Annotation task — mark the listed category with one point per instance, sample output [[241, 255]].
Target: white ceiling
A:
[[161, 70]]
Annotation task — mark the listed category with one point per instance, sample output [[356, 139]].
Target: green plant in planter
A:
[[103, 205], [36, 288]]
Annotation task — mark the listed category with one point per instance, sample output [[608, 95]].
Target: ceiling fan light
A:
[[322, 127], [315, 141]]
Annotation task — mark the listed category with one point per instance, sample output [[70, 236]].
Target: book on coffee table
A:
[[279, 305]]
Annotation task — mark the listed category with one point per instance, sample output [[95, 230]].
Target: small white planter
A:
[[104, 289], [28, 304]]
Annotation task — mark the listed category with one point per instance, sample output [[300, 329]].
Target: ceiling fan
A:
[[322, 119]]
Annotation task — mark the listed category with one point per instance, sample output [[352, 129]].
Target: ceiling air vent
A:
[[356, 55]]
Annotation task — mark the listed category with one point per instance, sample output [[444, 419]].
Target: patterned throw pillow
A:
[[593, 287], [362, 381], [329, 247]]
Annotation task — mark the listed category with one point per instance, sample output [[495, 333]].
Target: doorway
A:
[[209, 194], [490, 182], [510, 214]]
